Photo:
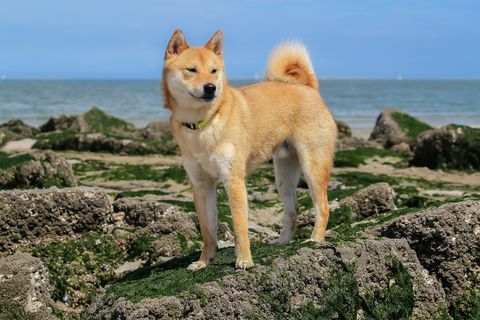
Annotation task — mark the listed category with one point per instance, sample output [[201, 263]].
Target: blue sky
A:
[[349, 38]]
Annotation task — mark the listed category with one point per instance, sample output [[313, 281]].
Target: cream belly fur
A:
[[284, 118]]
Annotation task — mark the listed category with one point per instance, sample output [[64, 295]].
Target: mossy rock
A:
[[78, 267], [97, 131], [99, 121], [19, 128], [394, 127], [446, 244], [449, 147], [14, 130], [380, 279], [106, 142], [343, 129], [94, 120], [35, 170], [61, 123]]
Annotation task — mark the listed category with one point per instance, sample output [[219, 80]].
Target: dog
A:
[[223, 133]]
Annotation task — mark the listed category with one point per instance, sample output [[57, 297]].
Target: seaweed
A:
[[358, 156], [99, 121], [411, 126], [7, 161]]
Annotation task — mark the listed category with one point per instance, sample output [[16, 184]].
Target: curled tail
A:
[[290, 62]]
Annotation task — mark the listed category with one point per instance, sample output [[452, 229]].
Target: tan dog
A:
[[225, 132]]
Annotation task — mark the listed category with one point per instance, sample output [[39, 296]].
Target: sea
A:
[[357, 102]]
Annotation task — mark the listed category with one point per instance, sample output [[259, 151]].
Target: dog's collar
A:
[[195, 125]]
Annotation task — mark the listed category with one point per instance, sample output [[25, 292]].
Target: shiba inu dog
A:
[[225, 132]]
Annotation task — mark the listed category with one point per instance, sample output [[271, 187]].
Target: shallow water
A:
[[357, 102]]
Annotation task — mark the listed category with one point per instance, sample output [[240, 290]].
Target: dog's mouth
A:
[[205, 97]]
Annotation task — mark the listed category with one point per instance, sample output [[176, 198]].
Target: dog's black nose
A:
[[209, 89]]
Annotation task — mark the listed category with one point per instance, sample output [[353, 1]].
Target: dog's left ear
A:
[[216, 43], [176, 45]]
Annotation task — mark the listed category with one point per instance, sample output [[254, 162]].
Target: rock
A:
[[100, 142], [19, 129], [450, 147], [402, 149], [64, 123], [35, 170], [97, 131], [93, 142], [447, 242], [172, 229], [224, 233], [374, 278], [155, 130], [93, 121], [175, 222], [350, 143], [33, 215], [99, 121], [393, 127], [167, 246], [14, 130], [375, 199], [141, 211], [24, 288], [343, 129]]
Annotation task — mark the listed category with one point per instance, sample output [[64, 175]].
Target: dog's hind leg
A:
[[205, 199], [287, 174], [316, 163]]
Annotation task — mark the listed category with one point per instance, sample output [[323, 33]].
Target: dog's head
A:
[[193, 76]]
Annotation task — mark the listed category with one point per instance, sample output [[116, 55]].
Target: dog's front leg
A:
[[237, 197], [205, 199]]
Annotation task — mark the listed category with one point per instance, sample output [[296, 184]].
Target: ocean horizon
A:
[[355, 101]]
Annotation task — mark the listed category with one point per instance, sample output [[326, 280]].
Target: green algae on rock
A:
[[77, 268], [299, 282], [97, 131], [99, 121], [35, 170], [447, 244], [359, 156], [411, 126], [394, 127], [106, 142]]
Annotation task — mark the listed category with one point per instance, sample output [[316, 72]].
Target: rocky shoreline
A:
[[98, 223]]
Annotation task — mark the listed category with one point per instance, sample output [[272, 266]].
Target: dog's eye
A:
[[214, 71], [192, 70]]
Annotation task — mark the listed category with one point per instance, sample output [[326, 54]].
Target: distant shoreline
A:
[[139, 101]]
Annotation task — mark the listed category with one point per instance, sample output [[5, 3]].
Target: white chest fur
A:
[[208, 154]]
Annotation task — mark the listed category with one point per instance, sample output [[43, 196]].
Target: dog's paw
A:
[[312, 240], [244, 263], [197, 265]]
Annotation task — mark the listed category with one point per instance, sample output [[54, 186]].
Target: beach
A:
[[98, 209]]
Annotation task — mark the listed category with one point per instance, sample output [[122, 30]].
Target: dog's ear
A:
[[216, 43], [176, 44]]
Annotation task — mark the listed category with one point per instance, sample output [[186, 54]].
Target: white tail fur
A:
[[290, 62]]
